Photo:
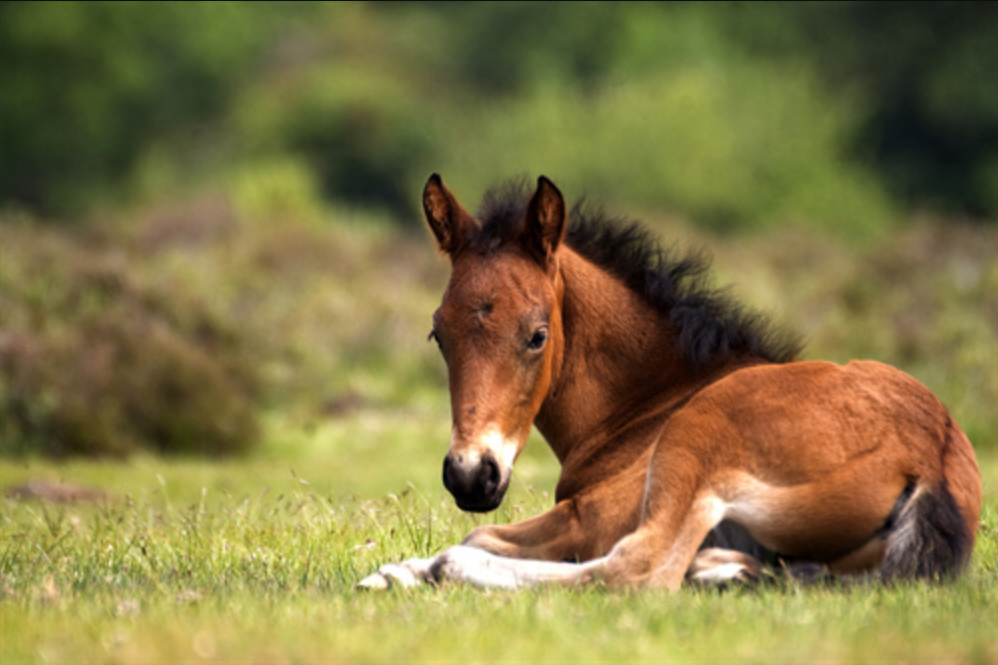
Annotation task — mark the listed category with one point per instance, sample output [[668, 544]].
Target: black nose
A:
[[476, 486]]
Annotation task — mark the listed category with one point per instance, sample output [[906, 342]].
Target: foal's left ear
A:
[[546, 220]]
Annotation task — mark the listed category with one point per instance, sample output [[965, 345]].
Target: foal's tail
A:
[[932, 531], [930, 538]]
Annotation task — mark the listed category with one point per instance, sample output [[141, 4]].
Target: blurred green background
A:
[[210, 240]]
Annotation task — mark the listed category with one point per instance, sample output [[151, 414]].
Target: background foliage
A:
[[738, 114]]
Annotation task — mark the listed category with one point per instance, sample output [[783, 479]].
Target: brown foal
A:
[[692, 445]]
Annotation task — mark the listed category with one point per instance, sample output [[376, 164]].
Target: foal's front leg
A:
[[658, 554], [471, 565], [652, 556], [409, 573], [556, 535], [585, 526], [581, 528], [552, 536]]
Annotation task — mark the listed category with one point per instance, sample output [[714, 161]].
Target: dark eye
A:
[[536, 342], [433, 336]]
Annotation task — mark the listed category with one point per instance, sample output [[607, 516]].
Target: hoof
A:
[[406, 575], [725, 574], [375, 582]]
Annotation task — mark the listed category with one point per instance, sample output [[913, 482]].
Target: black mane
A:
[[708, 321]]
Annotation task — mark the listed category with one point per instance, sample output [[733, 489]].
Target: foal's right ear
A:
[[546, 220], [451, 225]]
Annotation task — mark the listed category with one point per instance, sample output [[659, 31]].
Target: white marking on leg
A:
[[720, 574], [407, 574], [480, 568]]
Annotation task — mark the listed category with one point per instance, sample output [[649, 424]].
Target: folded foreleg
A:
[[471, 565]]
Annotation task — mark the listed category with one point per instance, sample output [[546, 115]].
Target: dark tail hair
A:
[[929, 538]]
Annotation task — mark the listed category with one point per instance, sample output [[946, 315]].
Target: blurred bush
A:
[[98, 359], [176, 327]]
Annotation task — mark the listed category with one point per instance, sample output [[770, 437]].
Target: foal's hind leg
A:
[[474, 566], [720, 567], [660, 552]]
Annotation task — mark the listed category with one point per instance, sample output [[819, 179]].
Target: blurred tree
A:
[[87, 85], [370, 93], [503, 47], [919, 73], [924, 73], [364, 145]]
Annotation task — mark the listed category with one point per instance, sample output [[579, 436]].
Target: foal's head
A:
[[499, 330]]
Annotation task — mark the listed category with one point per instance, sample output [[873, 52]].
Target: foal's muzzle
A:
[[477, 486]]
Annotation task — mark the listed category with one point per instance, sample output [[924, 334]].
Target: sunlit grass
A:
[[256, 560]]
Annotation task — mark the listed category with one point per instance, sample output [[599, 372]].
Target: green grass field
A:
[[257, 560]]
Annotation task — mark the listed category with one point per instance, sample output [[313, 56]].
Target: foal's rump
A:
[[856, 466]]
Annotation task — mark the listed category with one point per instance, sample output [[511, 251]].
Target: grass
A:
[[256, 561]]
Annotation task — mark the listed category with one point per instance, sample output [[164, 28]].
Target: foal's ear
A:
[[546, 220], [450, 224]]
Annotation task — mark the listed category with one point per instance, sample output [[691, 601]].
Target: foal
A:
[[692, 446]]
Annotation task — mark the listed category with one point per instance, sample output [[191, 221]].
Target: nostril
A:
[[448, 473], [491, 474]]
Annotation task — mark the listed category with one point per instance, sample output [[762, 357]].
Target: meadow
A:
[[255, 557], [256, 562]]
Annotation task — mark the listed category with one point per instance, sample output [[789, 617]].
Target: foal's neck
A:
[[620, 362]]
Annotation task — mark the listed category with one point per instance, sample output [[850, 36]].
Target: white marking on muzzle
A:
[[490, 440]]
